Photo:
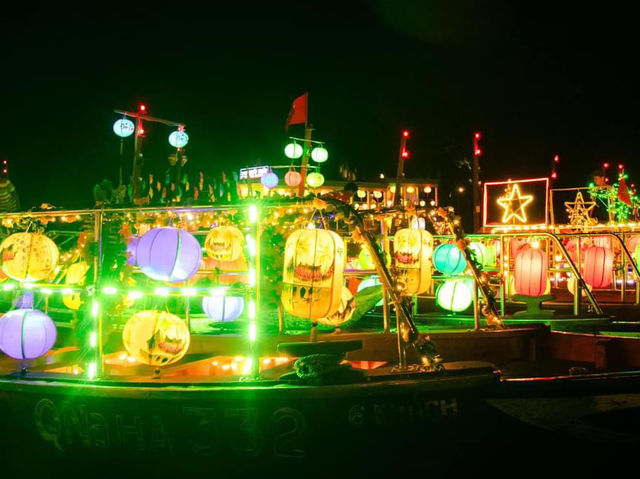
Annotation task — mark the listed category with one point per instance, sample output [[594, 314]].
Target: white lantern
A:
[[123, 127], [319, 154], [293, 150], [178, 139]]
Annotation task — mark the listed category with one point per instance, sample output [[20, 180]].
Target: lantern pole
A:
[[305, 159]]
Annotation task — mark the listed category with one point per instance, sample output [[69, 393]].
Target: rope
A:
[[316, 365]]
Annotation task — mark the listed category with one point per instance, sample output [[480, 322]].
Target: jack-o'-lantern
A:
[[224, 243], [155, 337], [28, 256], [344, 312], [412, 253], [313, 273], [76, 274]]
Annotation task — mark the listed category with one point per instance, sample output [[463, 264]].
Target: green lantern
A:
[[480, 251], [448, 259], [314, 180], [455, 295]]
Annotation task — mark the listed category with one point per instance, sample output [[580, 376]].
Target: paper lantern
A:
[[314, 180], [293, 150], [270, 180], [26, 333], [597, 266], [455, 295], [224, 243], [292, 178], [168, 254], [411, 251], [515, 245], [223, 308], [28, 256], [123, 127], [530, 271], [319, 154], [344, 312], [480, 251], [155, 337], [178, 139], [76, 274], [448, 259], [313, 273]]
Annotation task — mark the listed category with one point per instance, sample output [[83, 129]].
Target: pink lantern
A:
[[292, 178], [530, 272], [632, 243], [597, 266], [516, 244]]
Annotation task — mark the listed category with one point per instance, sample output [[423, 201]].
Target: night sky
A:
[[536, 78]]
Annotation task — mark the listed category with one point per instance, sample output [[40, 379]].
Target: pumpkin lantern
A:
[[76, 274], [26, 333], [412, 251], [597, 266], [155, 337], [28, 256], [168, 254], [448, 259], [224, 243], [313, 273], [530, 271]]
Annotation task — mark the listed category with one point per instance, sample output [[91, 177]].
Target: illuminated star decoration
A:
[[579, 211], [514, 203]]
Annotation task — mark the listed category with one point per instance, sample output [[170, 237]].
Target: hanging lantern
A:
[[270, 180], [224, 243], [168, 254], [178, 139], [123, 128], [28, 256], [292, 178], [597, 266], [155, 337], [344, 312], [313, 271], [411, 251], [319, 154], [315, 180], [76, 274], [293, 151], [455, 295], [448, 259], [222, 307], [480, 251], [418, 223], [26, 333], [530, 271]]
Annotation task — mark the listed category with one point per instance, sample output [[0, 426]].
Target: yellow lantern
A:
[[344, 312], [28, 256], [76, 274], [155, 337], [224, 243], [313, 273], [412, 253]]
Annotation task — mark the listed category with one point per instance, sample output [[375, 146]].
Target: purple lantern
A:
[[223, 308], [168, 254], [26, 333]]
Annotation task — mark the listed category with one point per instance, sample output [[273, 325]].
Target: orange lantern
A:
[[412, 253], [597, 266], [530, 271], [28, 256], [224, 243], [313, 273]]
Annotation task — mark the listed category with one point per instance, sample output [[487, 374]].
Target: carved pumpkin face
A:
[[224, 243], [313, 273], [156, 338], [412, 253], [28, 256], [76, 275], [344, 312]]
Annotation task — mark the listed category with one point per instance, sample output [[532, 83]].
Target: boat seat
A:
[[534, 306]]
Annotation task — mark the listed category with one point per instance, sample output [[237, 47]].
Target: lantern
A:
[[314, 180], [123, 127], [319, 154], [76, 274], [411, 251], [418, 223], [313, 272], [293, 150], [344, 312], [448, 259], [637, 253], [455, 295], [597, 266], [365, 261], [155, 337], [168, 254], [632, 243], [530, 271], [223, 308], [480, 251], [516, 244], [26, 333], [491, 255], [292, 178], [224, 243], [270, 180], [28, 256]]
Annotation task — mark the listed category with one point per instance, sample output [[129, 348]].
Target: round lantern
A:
[[455, 295], [411, 253], [530, 271], [28, 256], [293, 150], [480, 251], [344, 312], [448, 259], [418, 223], [270, 180], [223, 308], [123, 128], [313, 273], [178, 139], [597, 266], [224, 243], [292, 178], [157, 338], [315, 180], [365, 261], [76, 274], [319, 154], [168, 254], [26, 333]]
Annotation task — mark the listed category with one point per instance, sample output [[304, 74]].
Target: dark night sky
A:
[[536, 78]]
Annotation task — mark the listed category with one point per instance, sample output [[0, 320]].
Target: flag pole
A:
[[307, 150]]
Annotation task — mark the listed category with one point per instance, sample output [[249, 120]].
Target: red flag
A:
[[298, 111], [623, 192]]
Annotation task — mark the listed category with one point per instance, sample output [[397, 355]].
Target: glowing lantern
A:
[[123, 128], [28, 256], [597, 266], [480, 251], [530, 272], [412, 250], [157, 338], [292, 178], [448, 259], [293, 150], [168, 254], [224, 243], [223, 308], [418, 223], [313, 273], [319, 154], [178, 139], [26, 333], [76, 274], [455, 295], [344, 312], [315, 180], [270, 180], [365, 261], [516, 244]]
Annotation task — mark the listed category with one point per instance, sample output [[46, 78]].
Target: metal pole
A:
[[397, 196], [136, 173], [578, 291], [305, 160], [476, 306], [476, 193]]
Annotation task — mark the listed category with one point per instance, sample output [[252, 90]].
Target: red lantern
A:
[[292, 178], [530, 273], [597, 266]]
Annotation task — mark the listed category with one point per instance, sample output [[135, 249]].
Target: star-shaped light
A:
[[579, 211], [516, 211]]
